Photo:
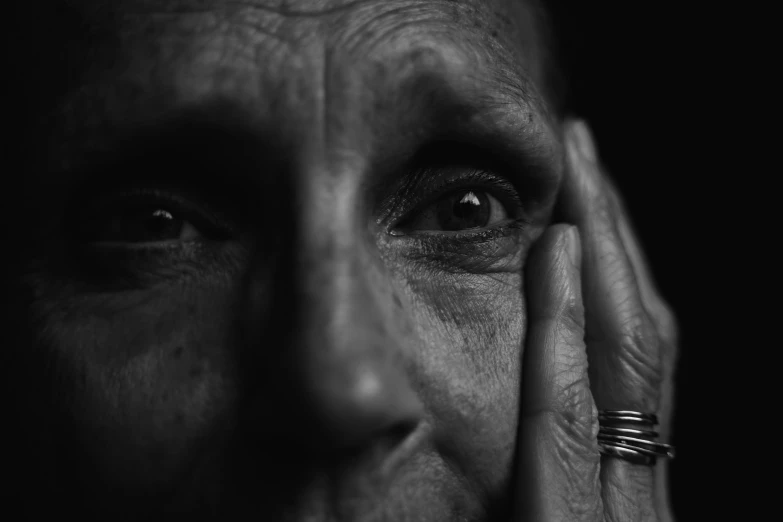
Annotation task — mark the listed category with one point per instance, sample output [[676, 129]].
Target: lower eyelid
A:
[[505, 256], [508, 228]]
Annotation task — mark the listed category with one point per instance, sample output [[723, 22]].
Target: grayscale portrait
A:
[[323, 260]]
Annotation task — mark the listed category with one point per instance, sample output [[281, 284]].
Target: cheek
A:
[[472, 331], [144, 377]]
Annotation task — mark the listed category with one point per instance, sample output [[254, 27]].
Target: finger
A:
[[665, 324], [558, 452], [622, 341], [663, 319]]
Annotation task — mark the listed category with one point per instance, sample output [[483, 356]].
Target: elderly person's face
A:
[[277, 265]]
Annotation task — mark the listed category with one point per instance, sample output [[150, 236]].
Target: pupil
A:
[[464, 210], [161, 225], [467, 206], [147, 225], [159, 220]]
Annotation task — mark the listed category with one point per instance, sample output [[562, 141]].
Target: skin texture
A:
[[319, 360]]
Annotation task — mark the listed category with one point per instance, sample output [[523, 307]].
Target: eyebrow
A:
[[483, 103]]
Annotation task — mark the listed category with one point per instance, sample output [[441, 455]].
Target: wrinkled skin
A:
[[319, 361]]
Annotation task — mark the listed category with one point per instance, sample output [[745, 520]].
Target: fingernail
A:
[[573, 246], [585, 141]]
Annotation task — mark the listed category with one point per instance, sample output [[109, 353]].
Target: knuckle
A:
[[576, 420], [640, 362], [572, 315]]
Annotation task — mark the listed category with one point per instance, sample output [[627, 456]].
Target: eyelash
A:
[[191, 209], [473, 179]]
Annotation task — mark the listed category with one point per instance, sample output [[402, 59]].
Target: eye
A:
[[459, 210], [146, 218], [145, 224]]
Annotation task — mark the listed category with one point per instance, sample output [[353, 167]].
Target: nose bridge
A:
[[343, 324], [334, 262]]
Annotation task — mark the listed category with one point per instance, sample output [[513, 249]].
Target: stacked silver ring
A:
[[637, 444]]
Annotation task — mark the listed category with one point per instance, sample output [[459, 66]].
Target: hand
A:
[[591, 301]]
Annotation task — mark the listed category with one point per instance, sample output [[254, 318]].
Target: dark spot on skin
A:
[[397, 301], [178, 352], [165, 396], [179, 418], [494, 34], [195, 371]]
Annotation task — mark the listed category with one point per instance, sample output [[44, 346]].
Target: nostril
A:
[[393, 437], [401, 430], [384, 450]]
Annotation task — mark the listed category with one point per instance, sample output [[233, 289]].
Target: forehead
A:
[[501, 29], [501, 16], [129, 56]]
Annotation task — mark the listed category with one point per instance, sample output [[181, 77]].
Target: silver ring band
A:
[[626, 414], [638, 446], [653, 448], [649, 434], [627, 454]]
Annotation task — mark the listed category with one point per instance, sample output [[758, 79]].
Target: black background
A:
[[658, 85]]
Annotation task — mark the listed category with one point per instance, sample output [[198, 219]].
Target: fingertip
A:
[[554, 278], [573, 246], [584, 140], [581, 189]]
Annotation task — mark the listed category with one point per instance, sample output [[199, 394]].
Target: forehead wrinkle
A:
[[402, 38], [373, 21], [282, 7]]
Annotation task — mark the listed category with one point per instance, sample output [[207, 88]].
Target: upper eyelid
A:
[[477, 179], [486, 182], [191, 208]]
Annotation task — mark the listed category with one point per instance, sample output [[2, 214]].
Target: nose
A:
[[341, 369]]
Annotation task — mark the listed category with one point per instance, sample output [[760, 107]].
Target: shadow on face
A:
[[275, 260]]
